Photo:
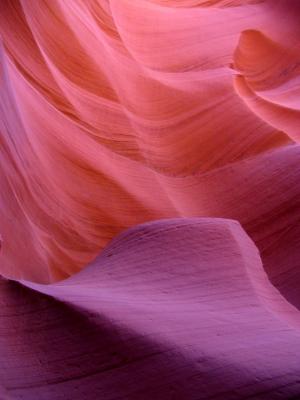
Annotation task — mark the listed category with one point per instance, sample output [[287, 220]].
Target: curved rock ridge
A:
[[149, 199], [176, 308], [270, 80]]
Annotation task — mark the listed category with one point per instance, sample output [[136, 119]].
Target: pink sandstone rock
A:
[[182, 116]]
